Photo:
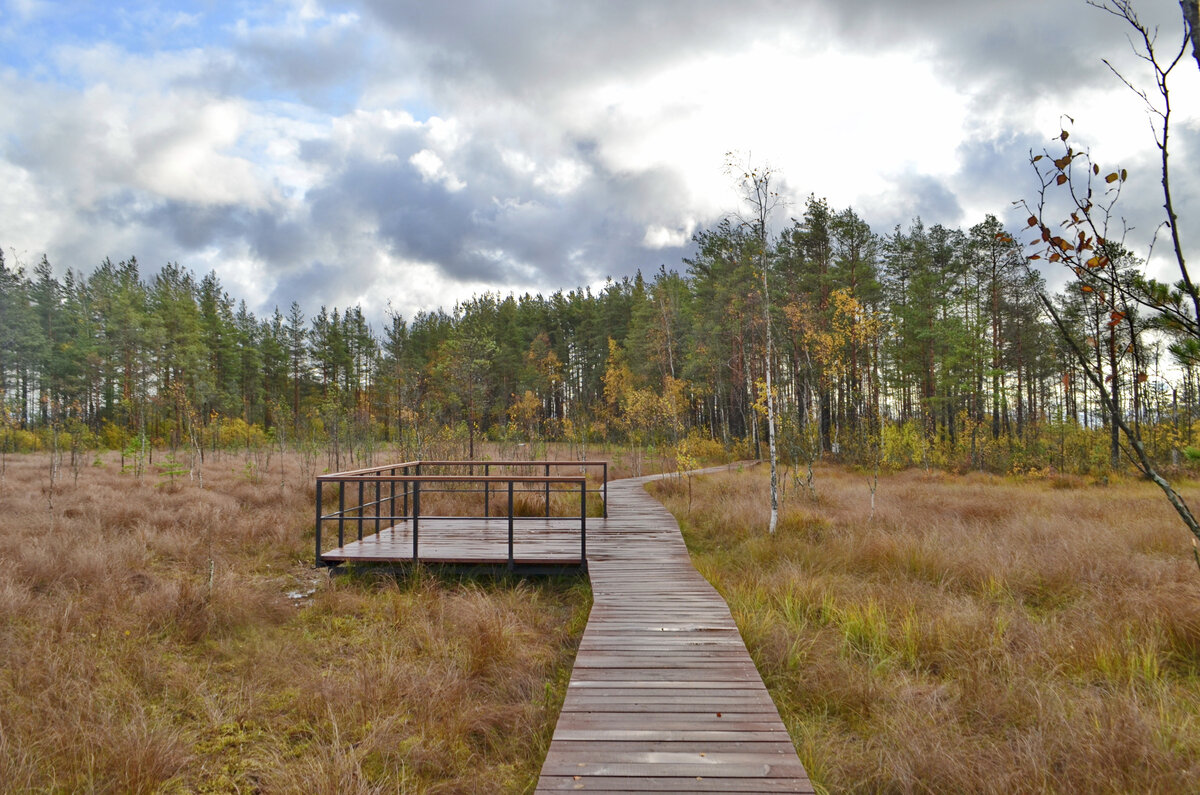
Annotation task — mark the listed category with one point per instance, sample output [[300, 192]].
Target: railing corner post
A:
[[341, 513], [583, 522], [416, 515], [318, 557], [510, 525], [362, 484], [605, 489]]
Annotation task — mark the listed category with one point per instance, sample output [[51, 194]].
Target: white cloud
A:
[[29, 9], [518, 162], [183, 20], [245, 276], [428, 163], [445, 134], [828, 122], [432, 169], [658, 236], [413, 286], [563, 177], [28, 216], [181, 152]]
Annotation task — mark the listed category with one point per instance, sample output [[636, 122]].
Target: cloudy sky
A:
[[412, 153]]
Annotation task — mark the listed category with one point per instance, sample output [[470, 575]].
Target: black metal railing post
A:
[[416, 514], [341, 513], [510, 524], [605, 489], [361, 486], [319, 484], [583, 522]]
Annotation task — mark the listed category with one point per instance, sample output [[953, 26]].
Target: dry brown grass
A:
[[981, 634], [157, 636]]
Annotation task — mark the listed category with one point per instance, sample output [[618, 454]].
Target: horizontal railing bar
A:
[[402, 465], [513, 463], [459, 518], [538, 490], [452, 478], [507, 463]]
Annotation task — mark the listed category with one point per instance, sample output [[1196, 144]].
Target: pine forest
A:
[[919, 346]]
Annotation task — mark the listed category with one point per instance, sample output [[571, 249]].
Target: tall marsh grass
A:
[[157, 636], [980, 634]]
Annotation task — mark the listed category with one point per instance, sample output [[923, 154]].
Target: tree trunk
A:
[[1191, 13], [770, 412]]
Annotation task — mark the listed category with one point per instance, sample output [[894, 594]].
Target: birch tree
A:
[[755, 186]]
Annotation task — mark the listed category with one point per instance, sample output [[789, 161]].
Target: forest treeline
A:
[[923, 345]]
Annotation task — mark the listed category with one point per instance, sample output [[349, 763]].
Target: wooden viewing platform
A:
[[388, 500], [664, 696]]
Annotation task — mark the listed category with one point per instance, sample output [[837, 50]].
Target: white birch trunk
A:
[[770, 413]]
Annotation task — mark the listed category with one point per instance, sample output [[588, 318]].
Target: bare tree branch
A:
[[1090, 219]]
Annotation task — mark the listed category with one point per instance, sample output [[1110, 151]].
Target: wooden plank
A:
[[777, 746], [611, 675], [762, 768], [663, 784], [586, 689], [672, 703], [670, 721], [670, 735]]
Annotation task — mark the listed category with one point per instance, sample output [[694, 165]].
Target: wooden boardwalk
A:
[[664, 696]]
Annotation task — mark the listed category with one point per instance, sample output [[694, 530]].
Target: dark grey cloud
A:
[[1014, 49], [479, 234], [267, 233], [324, 65], [910, 196], [418, 219], [995, 171], [321, 283], [531, 49]]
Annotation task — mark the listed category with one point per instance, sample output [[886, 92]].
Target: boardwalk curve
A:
[[664, 696]]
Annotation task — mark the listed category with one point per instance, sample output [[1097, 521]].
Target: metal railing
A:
[[406, 482]]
